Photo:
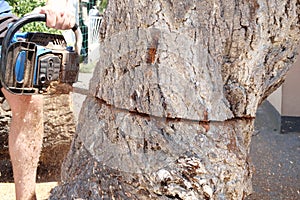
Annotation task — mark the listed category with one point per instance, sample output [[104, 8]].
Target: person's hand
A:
[[57, 18]]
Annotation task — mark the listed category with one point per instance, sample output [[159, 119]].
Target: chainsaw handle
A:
[[28, 19], [6, 42]]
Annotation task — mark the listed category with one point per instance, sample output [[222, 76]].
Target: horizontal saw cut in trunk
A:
[[173, 98]]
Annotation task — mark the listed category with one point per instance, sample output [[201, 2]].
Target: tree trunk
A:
[[173, 98], [59, 128]]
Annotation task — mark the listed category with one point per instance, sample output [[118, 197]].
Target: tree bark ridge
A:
[[174, 98]]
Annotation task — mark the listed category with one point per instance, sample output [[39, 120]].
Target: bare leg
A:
[[25, 141]]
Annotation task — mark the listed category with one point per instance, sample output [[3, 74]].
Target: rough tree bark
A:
[[173, 98]]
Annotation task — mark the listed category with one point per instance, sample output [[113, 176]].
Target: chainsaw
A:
[[35, 62]]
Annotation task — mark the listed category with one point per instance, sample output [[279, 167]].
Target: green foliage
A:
[[103, 5], [23, 7]]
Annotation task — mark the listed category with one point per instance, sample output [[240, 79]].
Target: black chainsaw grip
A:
[[19, 24]]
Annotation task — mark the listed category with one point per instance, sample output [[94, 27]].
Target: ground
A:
[[7, 190], [47, 178]]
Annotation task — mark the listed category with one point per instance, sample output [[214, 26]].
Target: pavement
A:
[[275, 154], [7, 190], [276, 158], [79, 92]]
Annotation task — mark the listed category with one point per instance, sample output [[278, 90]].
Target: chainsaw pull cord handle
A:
[[23, 21]]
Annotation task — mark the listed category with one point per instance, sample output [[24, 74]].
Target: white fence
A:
[[93, 37]]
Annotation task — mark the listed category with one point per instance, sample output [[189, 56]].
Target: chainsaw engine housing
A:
[[34, 60]]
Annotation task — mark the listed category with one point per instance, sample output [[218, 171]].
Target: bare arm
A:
[[59, 15]]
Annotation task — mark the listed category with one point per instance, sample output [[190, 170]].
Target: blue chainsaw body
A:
[[21, 58], [32, 61]]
